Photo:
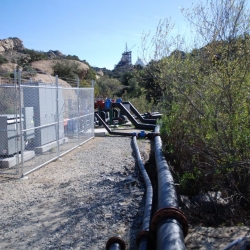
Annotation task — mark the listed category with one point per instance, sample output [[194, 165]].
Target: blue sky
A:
[[95, 30]]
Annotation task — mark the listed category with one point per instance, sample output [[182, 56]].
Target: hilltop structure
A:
[[140, 63], [126, 60]]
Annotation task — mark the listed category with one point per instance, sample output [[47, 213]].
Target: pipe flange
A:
[[168, 212], [116, 239], [141, 235], [155, 134]]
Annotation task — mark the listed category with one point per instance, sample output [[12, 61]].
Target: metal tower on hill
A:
[[126, 59]]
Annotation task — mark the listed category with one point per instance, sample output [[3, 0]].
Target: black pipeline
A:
[[115, 243], [148, 135], [139, 116], [132, 119], [169, 223], [143, 237], [108, 129]]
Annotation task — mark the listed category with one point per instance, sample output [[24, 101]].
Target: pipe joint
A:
[[170, 212], [134, 134], [116, 239], [151, 136], [143, 234]]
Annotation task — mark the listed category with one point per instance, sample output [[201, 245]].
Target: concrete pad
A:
[[100, 132], [48, 146], [13, 161]]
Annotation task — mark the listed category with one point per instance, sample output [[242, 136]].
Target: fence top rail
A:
[[42, 85]]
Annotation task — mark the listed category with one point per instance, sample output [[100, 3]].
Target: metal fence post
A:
[[16, 114], [78, 112], [20, 119], [57, 117]]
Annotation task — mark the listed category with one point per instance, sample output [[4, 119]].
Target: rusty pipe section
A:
[[169, 223], [143, 237], [115, 243]]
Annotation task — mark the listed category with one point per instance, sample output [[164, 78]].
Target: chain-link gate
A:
[[39, 122]]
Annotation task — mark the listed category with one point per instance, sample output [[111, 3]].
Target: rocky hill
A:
[[11, 44], [13, 54]]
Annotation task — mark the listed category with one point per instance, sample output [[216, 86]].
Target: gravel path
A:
[[76, 202]]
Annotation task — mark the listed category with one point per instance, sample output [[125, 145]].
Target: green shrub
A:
[[3, 60]]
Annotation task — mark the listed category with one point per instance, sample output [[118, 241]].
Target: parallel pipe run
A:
[[143, 237], [169, 222]]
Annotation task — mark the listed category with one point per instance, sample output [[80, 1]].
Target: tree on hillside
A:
[[35, 55], [66, 69], [3, 60], [86, 81], [107, 87]]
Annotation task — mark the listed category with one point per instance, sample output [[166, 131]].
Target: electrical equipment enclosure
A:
[[42, 97], [28, 114], [10, 135]]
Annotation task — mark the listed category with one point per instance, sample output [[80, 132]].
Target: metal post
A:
[[111, 116], [92, 101], [16, 113], [20, 119], [57, 117], [78, 111]]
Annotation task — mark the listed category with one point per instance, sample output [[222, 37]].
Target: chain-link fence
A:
[[39, 122]]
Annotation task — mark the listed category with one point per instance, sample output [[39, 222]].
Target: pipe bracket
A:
[[141, 235], [170, 212], [116, 239]]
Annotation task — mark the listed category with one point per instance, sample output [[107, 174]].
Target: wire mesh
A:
[[39, 122]]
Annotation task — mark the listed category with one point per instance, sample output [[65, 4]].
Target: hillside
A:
[[13, 54]]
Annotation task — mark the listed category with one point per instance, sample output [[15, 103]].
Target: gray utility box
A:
[[10, 141], [28, 125], [42, 97]]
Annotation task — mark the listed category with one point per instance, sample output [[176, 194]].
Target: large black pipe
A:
[[132, 119], [169, 222], [115, 243], [138, 115], [108, 129], [143, 238]]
